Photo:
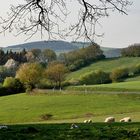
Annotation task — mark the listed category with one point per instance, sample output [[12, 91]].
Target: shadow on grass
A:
[[96, 131]]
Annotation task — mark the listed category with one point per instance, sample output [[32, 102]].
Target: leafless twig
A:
[[47, 15]]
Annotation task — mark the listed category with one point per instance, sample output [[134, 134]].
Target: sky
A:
[[119, 30]]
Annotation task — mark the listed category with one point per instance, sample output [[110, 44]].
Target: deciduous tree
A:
[[29, 74], [56, 73], [48, 55]]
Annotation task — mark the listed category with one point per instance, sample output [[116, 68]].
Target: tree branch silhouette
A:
[[48, 15]]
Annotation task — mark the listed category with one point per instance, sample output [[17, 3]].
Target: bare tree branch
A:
[[48, 15]]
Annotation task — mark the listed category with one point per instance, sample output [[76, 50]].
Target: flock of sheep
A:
[[107, 120], [111, 119]]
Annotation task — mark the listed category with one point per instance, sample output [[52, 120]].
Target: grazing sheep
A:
[[85, 121], [3, 126], [89, 121], [73, 126], [126, 119], [110, 120]]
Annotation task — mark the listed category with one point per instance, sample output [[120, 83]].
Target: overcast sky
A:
[[119, 30]]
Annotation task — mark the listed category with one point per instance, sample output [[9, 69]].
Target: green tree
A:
[[4, 72], [56, 73], [30, 74], [1, 56], [36, 53], [82, 57], [48, 55], [131, 51]]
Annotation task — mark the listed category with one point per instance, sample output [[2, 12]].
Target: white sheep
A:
[[109, 119], [89, 121], [73, 126], [85, 121], [3, 126], [126, 119]]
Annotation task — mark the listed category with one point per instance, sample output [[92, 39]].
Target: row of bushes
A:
[[95, 77], [11, 86], [101, 77]]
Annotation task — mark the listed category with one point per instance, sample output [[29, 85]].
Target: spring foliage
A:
[[30, 74]]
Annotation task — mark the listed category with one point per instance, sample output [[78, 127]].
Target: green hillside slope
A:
[[106, 65], [23, 108]]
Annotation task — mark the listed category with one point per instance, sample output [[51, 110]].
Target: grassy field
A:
[[95, 131], [106, 65], [113, 87], [67, 107]]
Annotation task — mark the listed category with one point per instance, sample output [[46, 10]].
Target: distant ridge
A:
[[57, 46], [108, 52], [60, 46]]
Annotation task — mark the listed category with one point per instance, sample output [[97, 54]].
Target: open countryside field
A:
[[67, 108], [106, 65], [132, 86]]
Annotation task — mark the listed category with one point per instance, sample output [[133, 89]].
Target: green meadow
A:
[[67, 107]]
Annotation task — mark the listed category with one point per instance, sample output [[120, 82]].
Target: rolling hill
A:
[[105, 65], [60, 46]]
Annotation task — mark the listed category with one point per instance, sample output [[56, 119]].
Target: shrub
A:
[[136, 69], [3, 91], [118, 74], [95, 77], [45, 84], [13, 85]]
